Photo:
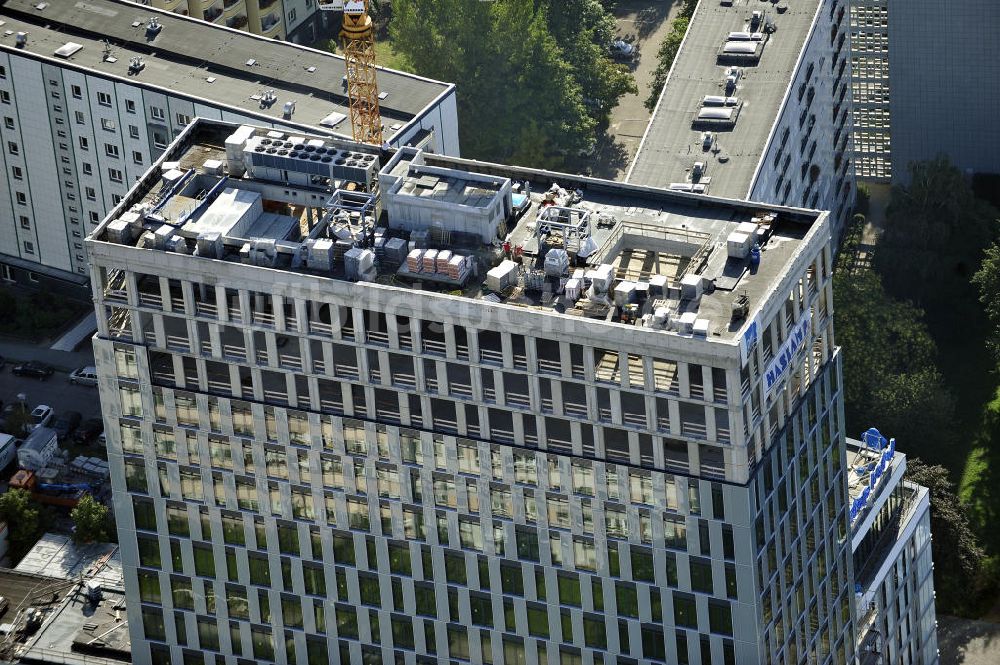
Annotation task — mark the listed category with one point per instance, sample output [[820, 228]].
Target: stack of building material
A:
[[556, 262], [340, 248], [443, 257], [394, 250], [415, 260], [503, 276], [458, 267], [430, 260], [359, 263]]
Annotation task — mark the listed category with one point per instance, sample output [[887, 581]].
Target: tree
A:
[[18, 421], [515, 85], [665, 59], [584, 30], [987, 280], [935, 235], [21, 514], [890, 376], [668, 51], [90, 519], [960, 573]]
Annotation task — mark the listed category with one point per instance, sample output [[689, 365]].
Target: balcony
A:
[[270, 24], [236, 18], [213, 13]]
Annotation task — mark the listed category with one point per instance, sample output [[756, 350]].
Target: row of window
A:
[[311, 592]]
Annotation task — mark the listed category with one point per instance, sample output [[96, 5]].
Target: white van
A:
[[84, 376]]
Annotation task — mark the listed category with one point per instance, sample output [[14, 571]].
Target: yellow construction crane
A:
[[357, 35]]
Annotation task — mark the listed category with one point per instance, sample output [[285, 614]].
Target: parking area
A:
[[56, 390], [646, 23]]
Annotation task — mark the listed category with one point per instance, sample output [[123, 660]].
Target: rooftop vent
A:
[[333, 119], [68, 49], [21, 39], [267, 99], [153, 27], [719, 100], [288, 109], [135, 65]]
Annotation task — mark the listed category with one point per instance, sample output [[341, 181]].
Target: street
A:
[[55, 391]]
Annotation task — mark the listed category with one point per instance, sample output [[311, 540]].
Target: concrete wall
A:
[[943, 75]]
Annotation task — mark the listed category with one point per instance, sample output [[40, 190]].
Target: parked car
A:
[[66, 424], [89, 430], [84, 376], [622, 51], [34, 369], [41, 415]]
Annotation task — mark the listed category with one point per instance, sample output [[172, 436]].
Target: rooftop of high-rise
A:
[[461, 231], [720, 103]]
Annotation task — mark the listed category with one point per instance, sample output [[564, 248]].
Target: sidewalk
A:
[[75, 336], [968, 642], [17, 351]]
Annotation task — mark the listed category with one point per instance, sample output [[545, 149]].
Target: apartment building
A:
[[870, 89], [917, 94], [92, 93], [757, 106], [298, 21], [893, 571], [457, 412]]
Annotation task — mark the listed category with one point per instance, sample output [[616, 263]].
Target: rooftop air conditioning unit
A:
[[209, 245]]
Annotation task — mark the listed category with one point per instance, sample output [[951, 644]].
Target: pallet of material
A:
[[443, 257], [415, 260], [430, 260]]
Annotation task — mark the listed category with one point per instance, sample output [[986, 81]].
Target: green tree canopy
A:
[[584, 32], [890, 377], [935, 233], [668, 51], [90, 517], [520, 90], [987, 280], [665, 59], [21, 514], [957, 554]]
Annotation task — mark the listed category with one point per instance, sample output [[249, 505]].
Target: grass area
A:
[[385, 54], [36, 315], [979, 488], [966, 365]]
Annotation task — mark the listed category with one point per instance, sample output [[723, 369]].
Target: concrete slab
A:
[[75, 336]]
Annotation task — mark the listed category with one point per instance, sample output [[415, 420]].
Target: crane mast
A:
[[357, 35]]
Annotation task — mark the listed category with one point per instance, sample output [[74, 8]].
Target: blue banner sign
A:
[[749, 340], [782, 360], [873, 440]]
